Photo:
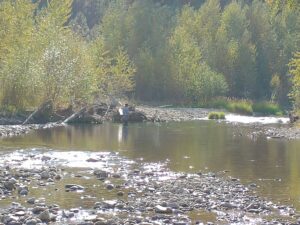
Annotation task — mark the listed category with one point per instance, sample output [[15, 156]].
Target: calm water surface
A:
[[187, 146]]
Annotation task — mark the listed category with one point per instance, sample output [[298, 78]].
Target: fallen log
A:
[[46, 106], [84, 116], [75, 115]]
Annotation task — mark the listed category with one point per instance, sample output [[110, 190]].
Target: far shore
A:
[[278, 127]]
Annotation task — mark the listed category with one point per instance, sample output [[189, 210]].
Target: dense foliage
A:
[[154, 50]]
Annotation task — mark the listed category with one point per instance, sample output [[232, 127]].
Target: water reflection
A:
[[189, 146], [122, 133]]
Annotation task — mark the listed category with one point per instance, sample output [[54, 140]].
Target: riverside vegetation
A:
[[73, 52]]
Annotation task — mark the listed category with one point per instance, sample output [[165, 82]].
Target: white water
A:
[[32, 158], [233, 118]]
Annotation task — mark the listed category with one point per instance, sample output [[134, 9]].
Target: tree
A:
[[18, 72], [194, 76], [114, 73], [295, 72]]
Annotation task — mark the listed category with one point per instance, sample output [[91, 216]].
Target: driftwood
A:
[[75, 115], [84, 115], [41, 108]]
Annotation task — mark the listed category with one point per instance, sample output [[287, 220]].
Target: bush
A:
[[216, 116], [219, 103], [240, 106], [267, 108]]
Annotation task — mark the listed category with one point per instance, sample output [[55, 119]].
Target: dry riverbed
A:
[[85, 188]]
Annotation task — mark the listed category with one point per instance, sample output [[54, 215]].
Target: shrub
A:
[[219, 103], [240, 106], [267, 108], [216, 116]]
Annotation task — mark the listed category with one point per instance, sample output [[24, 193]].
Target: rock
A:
[[115, 175], [101, 221], [45, 158], [227, 205], [23, 190], [164, 210], [110, 186], [38, 209], [75, 210], [31, 222], [20, 213], [100, 174], [120, 193], [68, 214], [45, 216], [45, 175], [74, 187], [9, 185], [57, 177], [109, 203]]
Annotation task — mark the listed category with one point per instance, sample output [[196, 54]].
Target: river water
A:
[[273, 164]]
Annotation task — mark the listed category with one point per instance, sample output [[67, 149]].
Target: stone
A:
[[164, 210], [9, 185], [120, 193], [110, 186], [31, 222], [109, 203], [74, 187], [45, 175], [38, 209], [23, 191], [20, 213], [45, 216]]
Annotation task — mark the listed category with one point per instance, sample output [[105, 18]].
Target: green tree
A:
[[295, 71], [114, 73], [194, 76], [18, 72]]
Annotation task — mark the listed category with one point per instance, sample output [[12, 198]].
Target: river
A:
[[207, 146]]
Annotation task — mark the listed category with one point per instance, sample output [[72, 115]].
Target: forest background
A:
[[190, 52]]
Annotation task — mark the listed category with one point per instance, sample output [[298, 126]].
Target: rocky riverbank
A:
[[258, 125], [132, 192], [161, 114], [283, 132], [13, 130]]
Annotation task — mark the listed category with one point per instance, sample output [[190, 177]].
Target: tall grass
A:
[[267, 108], [244, 106]]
